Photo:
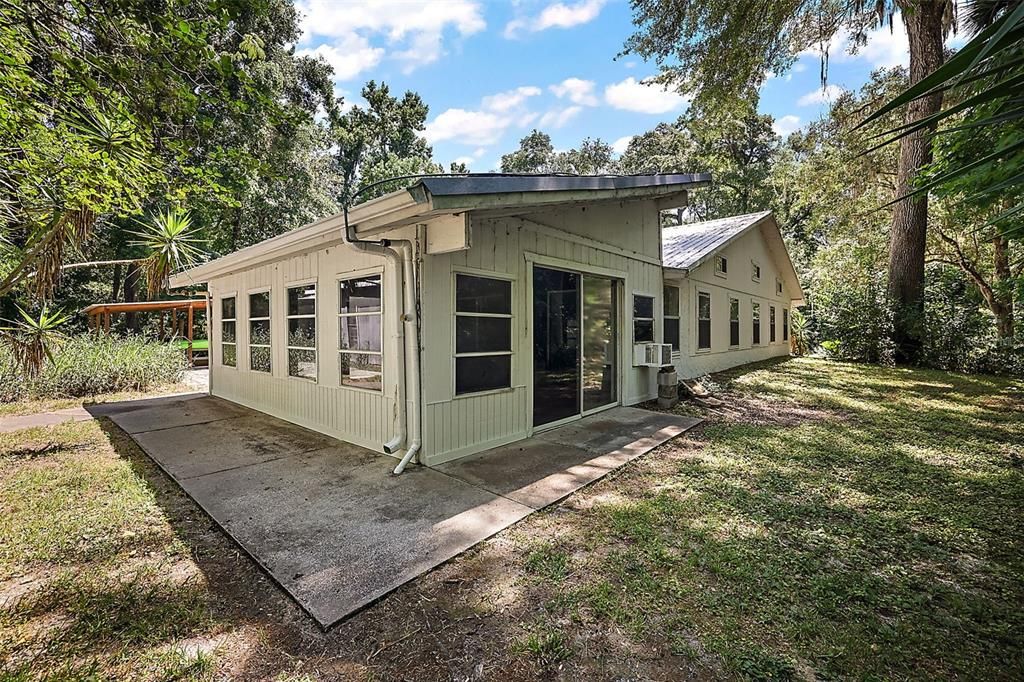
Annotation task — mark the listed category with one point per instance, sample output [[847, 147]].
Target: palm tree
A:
[[32, 339], [173, 243]]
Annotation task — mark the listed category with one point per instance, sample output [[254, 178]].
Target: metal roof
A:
[[463, 185], [687, 246]]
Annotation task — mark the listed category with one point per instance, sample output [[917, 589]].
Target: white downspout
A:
[[412, 351]]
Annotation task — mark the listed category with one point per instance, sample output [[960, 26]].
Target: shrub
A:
[[89, 364]]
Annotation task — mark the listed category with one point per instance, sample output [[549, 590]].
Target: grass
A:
[[832, 521]]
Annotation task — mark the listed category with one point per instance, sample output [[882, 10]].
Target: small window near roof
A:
[[721, 265], [671, 312], [643, 319], [778, 286], [228, 352], [755, 271], [302, 331], [259, 332]]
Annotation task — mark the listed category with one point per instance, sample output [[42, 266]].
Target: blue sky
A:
[[492, 71]]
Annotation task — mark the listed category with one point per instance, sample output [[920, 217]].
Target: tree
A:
[[536, 154], [722, 50]]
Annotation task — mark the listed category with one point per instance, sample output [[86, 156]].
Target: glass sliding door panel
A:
[[556, 345], [599, 328]]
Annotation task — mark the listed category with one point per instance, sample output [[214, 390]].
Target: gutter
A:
[[399, 253]]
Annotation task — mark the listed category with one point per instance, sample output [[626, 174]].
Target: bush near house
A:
[[90, 364]]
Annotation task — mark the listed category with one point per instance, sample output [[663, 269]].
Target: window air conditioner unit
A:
[[652, 354]]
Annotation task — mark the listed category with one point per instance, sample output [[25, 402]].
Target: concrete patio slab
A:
[[326, 519], [541, 470]]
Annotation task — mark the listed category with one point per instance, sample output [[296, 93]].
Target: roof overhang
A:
[[448, 195]]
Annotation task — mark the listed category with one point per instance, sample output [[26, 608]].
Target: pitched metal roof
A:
[[463, 185], [687, 246]]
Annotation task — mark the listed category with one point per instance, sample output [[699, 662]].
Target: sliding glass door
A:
[[574, 333]]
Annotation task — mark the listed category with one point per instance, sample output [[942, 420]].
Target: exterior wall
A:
[[752, 246], [506, 247], [356, 415]]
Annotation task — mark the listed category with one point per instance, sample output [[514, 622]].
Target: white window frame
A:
[[483, 274], [755, 271], [678, 345], [739, 326], [778, 287], [316, 329], [653, 319], [219, 312], [248, 327], [722, 266], [711, 331], [347, 277]]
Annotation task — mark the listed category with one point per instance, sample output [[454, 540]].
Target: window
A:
[[721, 266], [302, 331], [259, 332], [785, 324], [771, 324], [778, 286], [228, 349], [755, 317], [703, 320], [483, 334], [360, 354], [671, 332], [755, 271], [734, 321], [643, 319]]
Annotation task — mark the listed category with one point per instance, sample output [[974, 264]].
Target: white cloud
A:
[[465, 159], [556, 15], [824, 95], [350, 57], [470, 127], [799, 67], [484, 126], [620, 145], [786, 124], [577, 90], [634, 95], [556, 118], [510, 99], [412, 30], [885, 47]]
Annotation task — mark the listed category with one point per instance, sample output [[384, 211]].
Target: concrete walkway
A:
[[327, 520], [28, 421]]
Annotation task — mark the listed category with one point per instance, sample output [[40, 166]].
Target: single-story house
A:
[[467, 312]]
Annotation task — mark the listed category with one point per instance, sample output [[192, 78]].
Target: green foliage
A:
[[31, 339], [536, 154], [90, 364], [172, 242]]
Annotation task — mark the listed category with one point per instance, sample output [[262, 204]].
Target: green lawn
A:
[[831, 522]]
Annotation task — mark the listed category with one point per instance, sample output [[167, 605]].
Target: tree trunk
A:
[[923, 20], [1002, 290], [131, 282], [115, 284]]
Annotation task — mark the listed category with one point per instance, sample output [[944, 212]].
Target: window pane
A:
[[259, 359], [484, 373], [360, 295], [227, 332], [704, 307], [643, 306], [757, 332], [704, 334], [227, 354], [734, 332], [360, 332], [483, 295], [643, 331], [482, 334], [259, 332], [672, 332], [672, 301], [302, 363], [361, 370], [302, 300], [734, 309], [259, 304], [227, 308], [302, 332]]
